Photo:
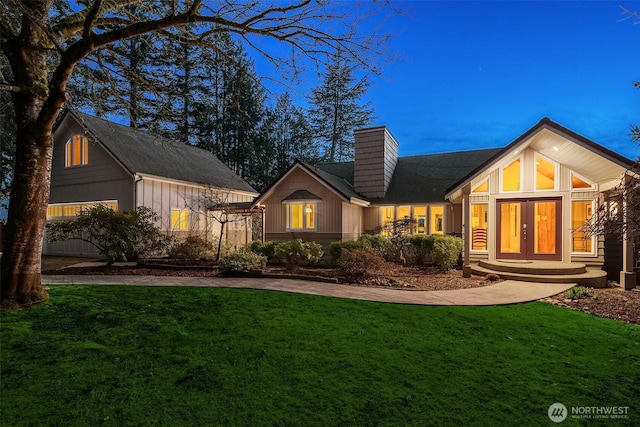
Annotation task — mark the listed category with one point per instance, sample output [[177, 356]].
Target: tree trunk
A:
[[37, 105], [21, 259]]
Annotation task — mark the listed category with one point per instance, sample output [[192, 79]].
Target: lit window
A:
[[301, 216], [421, 219], [404, 214], [479, 227], [581, 212], [180, 219], [76, 151], [511, 176], [68, 210], [386, 218], [482, 188], [545, 174], [436, 219], [578, 183]]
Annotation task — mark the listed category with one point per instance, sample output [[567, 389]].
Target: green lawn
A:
[[128, 356]]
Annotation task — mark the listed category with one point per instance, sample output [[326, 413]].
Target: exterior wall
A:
[[163, 196], [376, 155], [351, 221], [329, 208], [563, 191], [330, 215], [101, 179]]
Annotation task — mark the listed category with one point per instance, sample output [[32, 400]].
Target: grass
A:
[[203, 356]]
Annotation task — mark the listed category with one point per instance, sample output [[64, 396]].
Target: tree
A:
[[44, 41], [285, 135], [117, 235], [335, 110]]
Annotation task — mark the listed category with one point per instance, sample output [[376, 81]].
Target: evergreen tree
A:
[[336, 112]]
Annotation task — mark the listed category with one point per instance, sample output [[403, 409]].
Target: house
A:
[[98, 161], [518, 204]]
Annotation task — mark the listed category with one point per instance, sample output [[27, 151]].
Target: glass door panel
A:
[[544, 225], [510, 226]]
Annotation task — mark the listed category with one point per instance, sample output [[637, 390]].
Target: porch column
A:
[[466, 233], [628, 278]]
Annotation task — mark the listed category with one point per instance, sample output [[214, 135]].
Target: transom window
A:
[[483, 187], [76, 151], [580, 183], [545, 174], [511, 176], [301, 215]]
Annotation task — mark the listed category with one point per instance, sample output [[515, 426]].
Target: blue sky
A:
[[479, 74]]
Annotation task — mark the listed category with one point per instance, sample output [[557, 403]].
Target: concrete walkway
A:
[[507, 292]]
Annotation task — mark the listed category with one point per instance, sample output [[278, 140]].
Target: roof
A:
[[419, 179], [143, 153], [301, 195], [544, 123]]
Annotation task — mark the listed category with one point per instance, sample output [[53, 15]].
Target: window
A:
[[479, 222], [301, 216], [76, 151], [580, 183], [581, 212], [403, 214], [67, 210], [511, 176], [421, 219], [482, 187], [545, 174], [436, 219], [180, 219]]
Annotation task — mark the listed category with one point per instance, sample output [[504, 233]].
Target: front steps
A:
[[542, 272]]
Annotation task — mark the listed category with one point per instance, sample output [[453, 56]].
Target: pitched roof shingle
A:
[[141, 152]]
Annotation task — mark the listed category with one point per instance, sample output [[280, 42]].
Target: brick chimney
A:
[[376, 155]]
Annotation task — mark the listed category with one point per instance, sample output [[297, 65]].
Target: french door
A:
[[529, 229]]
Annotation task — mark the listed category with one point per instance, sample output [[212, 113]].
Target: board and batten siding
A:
[[329, 218], [163, 196], [103, 178]]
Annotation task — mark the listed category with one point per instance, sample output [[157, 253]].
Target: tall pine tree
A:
[[335, 110]]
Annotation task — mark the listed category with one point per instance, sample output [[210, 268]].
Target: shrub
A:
[[117, 235], [445, 251], [578, 292], [360, 262], [267, 249], [382, 245], [193, 247], [422, 246], [336, 248], [241, 262], [296, 253]]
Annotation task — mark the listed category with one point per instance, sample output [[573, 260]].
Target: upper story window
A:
[[546, 173], [580, 183], [76, 151], [512, 176], [483, 187]]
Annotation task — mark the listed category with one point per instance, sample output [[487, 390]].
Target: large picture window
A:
[[76, 151], [301, 216]]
